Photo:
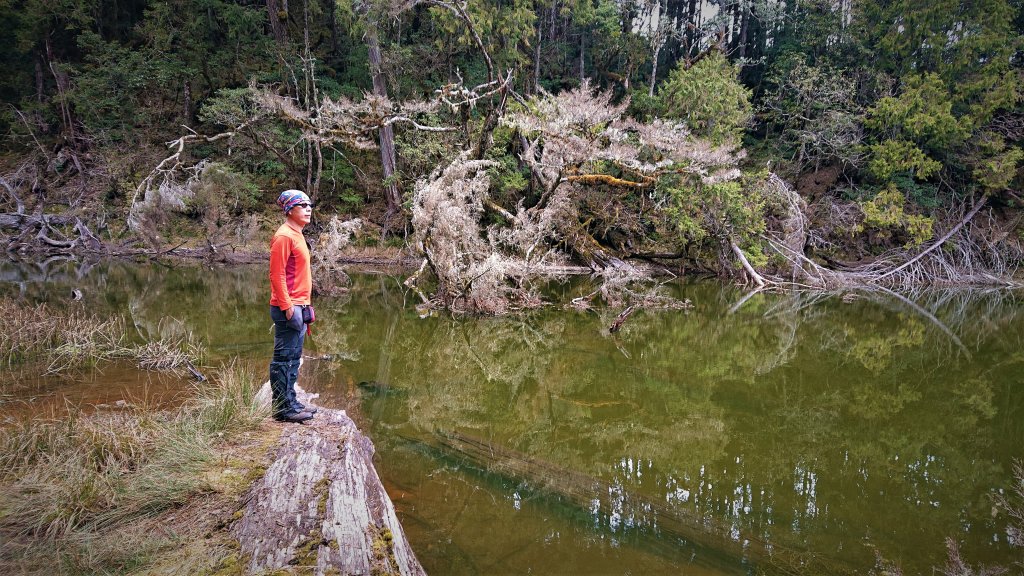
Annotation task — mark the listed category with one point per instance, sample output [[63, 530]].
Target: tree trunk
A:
[[583, 38], [744, 22], [746, 264], [490, 123], [585, 249], [734, 24], [386, 134], [333, 24], [186, 109], [654, 71], [536, 53], [39, 79], [21, 221], [716, 541], [63, 82], [320, 508], [692, 25], [278, 14]]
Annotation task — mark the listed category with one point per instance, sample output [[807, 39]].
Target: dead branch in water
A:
[[621, 318]]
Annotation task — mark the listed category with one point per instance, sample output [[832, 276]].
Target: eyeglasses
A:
[[303, 205]]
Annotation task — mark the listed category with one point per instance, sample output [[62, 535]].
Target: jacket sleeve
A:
[[280, 251]]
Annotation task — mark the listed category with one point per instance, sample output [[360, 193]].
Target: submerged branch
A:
[[621, 318], [583, 490]]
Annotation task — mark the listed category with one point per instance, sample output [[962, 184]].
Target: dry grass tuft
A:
[[68, 339], [75, 489]]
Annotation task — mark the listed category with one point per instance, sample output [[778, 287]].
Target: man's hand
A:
[[289, 312]]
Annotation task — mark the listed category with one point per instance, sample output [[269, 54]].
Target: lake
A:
[[784, 432]]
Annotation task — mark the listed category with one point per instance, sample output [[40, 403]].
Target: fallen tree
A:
[[964, 255], [484, 255], [710, 540], [320, 507], [39, 232]]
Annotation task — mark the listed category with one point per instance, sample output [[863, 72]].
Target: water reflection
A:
[[828, 427]]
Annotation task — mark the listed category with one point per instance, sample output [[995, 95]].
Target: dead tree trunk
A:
[[585, 249], [654, 70], [320, 507], [536, 53], [386, 134], [716, 542]]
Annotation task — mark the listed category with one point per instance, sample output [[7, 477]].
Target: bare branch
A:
[[746, 264], [417, 125], [20, 206], [941, 241]]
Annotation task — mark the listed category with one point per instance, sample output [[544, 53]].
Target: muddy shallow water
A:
[[791, 433]]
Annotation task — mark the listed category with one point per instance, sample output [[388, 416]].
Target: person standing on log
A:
[[291, 285]]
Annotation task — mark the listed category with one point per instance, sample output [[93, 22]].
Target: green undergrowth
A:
[[84, 493]]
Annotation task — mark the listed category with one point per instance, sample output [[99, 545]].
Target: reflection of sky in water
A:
[[793, 422]]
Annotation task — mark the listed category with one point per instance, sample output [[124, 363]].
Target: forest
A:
[[819, 143]]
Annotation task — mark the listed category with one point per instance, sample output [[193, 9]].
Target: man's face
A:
[[301, 214]]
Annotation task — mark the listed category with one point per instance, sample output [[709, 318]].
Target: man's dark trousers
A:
[[284, 368]]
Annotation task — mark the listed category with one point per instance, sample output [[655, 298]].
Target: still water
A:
[[784, 433]]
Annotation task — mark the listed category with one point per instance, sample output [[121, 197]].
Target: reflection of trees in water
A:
[[979, 314], [478, 374], [541, 384], [216, 304], [489, 371], [788, 412], [897, 410]]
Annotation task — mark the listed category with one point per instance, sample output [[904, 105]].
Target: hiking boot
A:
[[300, 407], [293, 416]]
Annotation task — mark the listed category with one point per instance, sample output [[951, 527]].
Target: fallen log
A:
[[716, 545], [320, 507], [21, 220]]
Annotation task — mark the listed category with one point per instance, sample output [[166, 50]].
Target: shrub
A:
[[708, 97], [885, 212]]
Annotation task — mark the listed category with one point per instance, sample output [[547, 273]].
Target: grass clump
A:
[[67, 339], [384, 562], [79, 491]]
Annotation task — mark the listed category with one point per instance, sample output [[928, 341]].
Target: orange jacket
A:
[[291, 280]]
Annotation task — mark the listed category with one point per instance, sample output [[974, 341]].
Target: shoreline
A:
[[222, 518], [371, 260]]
